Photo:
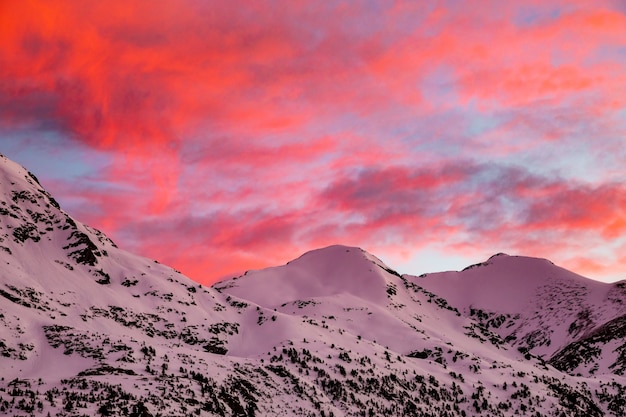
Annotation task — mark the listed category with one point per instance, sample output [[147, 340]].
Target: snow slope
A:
[[87, 328], [320, 273], [535, 305]]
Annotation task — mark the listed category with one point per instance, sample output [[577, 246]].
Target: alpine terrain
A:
[[87, 329]]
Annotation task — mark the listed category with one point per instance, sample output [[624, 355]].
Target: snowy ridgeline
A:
[[89, 329]]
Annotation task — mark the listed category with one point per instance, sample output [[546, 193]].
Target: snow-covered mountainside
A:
[[89, 329], [576, 324]]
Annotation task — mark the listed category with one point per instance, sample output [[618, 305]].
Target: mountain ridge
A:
[[87, 328]]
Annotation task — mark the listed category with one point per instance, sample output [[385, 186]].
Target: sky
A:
[[222, 136]]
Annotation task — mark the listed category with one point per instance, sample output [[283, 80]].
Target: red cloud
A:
[[458, 206], [245, 134], [488, 205]]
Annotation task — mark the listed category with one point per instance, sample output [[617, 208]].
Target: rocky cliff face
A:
[[89, 329]]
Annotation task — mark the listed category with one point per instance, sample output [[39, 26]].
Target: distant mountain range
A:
[[89, 329]]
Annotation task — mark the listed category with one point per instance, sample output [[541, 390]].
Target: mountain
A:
[[574, 323], [87, 328]]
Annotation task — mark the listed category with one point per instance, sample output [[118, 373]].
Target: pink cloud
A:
[[245, 135]]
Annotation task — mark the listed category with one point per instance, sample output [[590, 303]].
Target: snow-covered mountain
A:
[[576, 324], [89, 329]]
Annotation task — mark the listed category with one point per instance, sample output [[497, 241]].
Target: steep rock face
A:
[[89, 329], [600, 350]]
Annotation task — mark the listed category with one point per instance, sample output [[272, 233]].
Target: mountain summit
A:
[[87, 328], [540, 308], [319, 273]]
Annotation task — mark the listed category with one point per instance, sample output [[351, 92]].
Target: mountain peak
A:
[[16, 182], [318, 273], [502, 282], [43, 248]]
